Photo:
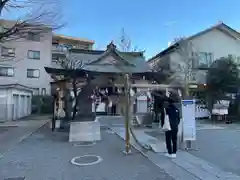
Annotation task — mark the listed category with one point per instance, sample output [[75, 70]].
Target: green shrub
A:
[[42, 104]]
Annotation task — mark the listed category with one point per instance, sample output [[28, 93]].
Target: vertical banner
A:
[[189, 121]]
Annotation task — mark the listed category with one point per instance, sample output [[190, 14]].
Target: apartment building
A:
[[61, 44], [23, 60]]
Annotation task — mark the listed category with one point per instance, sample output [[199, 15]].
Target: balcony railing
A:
[[59, 49]]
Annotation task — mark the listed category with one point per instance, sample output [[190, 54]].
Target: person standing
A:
[[171, 135], [158, 107], [114, 100]]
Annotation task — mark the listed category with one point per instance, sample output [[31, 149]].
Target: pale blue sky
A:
[[151, 24]]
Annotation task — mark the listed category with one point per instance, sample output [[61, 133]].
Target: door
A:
[[3, 108], [25, 106], [15, 106], [28, 105], [22, 106]]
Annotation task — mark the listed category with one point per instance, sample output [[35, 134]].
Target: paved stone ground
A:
[[220, 147], [13, 132], [46, 156], [203, 164], [185, 166], [217, 143]]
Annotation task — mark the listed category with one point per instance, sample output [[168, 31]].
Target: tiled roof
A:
[[90, 58], [60, 36]]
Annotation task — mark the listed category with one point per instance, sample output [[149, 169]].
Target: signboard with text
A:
[[189, 121]]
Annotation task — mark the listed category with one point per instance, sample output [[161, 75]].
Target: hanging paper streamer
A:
[[118, 90], [131, 92], [179, 93], [149, 93], [167, 92]]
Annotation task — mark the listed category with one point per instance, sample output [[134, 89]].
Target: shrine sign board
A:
[[189, 120]]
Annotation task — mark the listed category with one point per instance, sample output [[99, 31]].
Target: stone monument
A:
[[85, 127]]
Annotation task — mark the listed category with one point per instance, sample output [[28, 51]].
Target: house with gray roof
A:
[[206, 46]]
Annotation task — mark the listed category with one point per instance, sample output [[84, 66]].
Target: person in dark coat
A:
[[174, 120], [158, 104]]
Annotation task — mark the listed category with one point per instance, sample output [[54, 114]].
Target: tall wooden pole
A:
[[127, 118], [61, 112]]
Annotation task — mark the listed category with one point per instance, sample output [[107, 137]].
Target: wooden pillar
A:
[[61, 112], [127, 117]]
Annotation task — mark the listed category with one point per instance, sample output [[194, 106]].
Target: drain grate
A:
[[2, 130], [87, 143], [6, 128], [16, 178]]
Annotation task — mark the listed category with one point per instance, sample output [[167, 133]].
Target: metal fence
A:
[[6, 112]]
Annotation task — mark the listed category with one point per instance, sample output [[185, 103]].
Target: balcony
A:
[[59, 49]]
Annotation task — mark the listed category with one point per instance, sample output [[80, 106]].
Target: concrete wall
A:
[[9, 109], [217, 42]]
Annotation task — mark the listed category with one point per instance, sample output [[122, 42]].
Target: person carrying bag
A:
[[166, 125], [170, 122]]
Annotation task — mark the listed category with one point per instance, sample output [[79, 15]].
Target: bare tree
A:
[[177, 39], [186, 67], [124, 43], [182, 67], [39, 16]]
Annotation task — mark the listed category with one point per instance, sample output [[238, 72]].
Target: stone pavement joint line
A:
[[184, 167]]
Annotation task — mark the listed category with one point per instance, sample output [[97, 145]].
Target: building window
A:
[[2, 29], [204, 59], [33, 73], [7, 71], [44, 91], [10, 52], [33, 36], [35, 91], [34, 55]]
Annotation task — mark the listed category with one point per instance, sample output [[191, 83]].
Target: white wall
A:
[[216, 42], [7, 107]]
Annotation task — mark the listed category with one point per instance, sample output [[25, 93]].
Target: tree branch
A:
[[43, 16]]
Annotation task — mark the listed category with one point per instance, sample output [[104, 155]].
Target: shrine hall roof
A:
[[109, 61]]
